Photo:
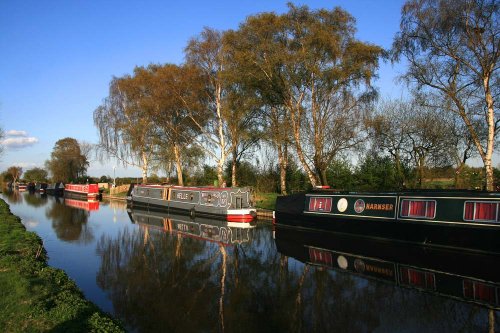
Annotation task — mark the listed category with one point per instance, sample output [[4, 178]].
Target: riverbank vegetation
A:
[[35, 297]]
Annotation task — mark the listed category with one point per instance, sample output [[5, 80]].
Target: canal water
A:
[[164, 273]]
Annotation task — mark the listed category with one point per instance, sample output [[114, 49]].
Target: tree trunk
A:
[[178, 165], [491, 135], [457, 183], [233, 169], [220, 132], [220, 172], [282, 160], [296, 123], [145, 168]]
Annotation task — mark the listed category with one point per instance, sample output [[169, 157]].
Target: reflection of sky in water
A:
[[259, 283], [30, 224]]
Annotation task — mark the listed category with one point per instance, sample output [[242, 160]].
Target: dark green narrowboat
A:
[[459, 219]]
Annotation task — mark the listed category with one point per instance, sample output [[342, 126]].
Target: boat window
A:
[[416, 278], [320, 204], [481, 211], [479, 291], [418, 208]]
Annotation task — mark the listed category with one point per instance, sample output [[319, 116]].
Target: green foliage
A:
[[206, 176], [340, 175], [67, 163], [35, 297], [246, 173], [36, 175], [376, 173]]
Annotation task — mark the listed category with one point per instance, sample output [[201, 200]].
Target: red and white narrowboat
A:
[[90, 191]]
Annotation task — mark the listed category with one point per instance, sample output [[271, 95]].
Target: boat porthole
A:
[[342, 261], [342, 205], [359, 265]]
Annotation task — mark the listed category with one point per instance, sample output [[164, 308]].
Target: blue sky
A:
[[58, 57]]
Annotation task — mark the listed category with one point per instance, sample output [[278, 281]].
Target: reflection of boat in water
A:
[[456, 219], [219, 231], [88, 205], [466, 276], [231, 203]]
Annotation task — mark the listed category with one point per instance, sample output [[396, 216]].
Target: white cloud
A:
[[15, 139], [16, 133]]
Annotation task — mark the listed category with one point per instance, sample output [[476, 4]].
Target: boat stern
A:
[[243, 215]]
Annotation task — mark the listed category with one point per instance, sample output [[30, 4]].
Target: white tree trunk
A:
[[178, 165], [145, 166]]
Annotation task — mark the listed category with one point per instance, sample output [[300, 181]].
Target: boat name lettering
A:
[[378, 270], [182, 196], [386, 206]]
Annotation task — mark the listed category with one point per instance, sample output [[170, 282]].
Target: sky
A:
[[57, 58]]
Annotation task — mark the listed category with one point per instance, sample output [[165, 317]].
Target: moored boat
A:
[[41, 187], [56, 189], [459, 219], [231, 203], [21, 187], [89, 191]]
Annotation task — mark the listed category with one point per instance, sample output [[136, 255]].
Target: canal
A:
[[172, 274]]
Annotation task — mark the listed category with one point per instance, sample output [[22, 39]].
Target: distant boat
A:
[[459, 219], [41, 187], [21, 187], [89, 191], [56, 189], [235, 204]]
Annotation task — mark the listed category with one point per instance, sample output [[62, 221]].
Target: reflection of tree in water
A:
[[35, 200], [13, 197], [165, 282], [70, 224]]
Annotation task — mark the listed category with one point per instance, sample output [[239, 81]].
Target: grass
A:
[[35, 297], [265, 200]]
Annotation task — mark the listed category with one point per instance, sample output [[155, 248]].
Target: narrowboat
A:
[[207, 229], [89, 191], [21, 187], [231, 203], [56, 189], [41, 187], [466, 276], [458, 219]]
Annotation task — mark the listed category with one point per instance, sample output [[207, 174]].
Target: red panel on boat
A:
[[321, 257], [320, 204]]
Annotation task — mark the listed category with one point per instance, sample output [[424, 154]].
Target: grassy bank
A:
[[265, 200], [35, 297]]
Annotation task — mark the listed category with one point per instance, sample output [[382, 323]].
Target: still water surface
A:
[[172, 274]]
